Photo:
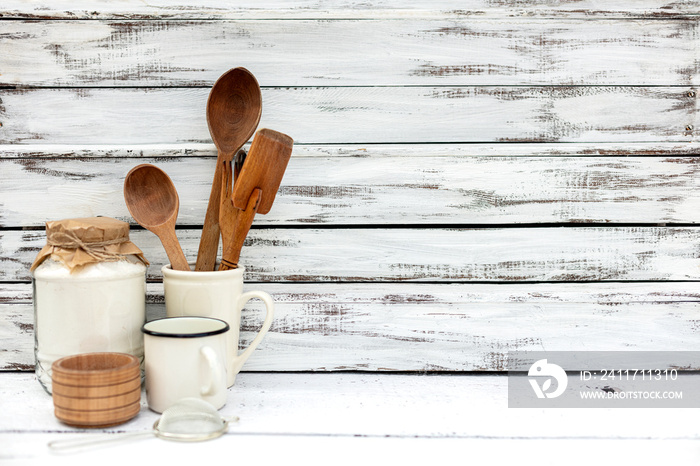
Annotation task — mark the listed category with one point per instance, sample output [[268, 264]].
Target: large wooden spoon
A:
[[233, 113], [152, 200]]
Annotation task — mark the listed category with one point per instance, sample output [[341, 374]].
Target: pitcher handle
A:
[[270, 307]]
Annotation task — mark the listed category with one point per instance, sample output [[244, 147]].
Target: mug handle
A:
[[270, 306], [215, 379]]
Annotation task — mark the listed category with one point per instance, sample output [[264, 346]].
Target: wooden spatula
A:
[[228, 214], [256, 187]]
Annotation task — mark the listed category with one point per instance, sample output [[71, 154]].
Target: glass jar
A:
[[89, 287]]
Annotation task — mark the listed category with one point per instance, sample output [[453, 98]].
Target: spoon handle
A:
[[172, 247], [209, 242], [244, 220]]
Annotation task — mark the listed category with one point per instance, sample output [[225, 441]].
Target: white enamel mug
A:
[[217, 294], [185, 357]]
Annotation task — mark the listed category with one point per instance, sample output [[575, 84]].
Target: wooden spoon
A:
[[255, 189], [152, 200], [233, 113]]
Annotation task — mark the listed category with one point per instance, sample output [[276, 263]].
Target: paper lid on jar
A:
[[77, 242]]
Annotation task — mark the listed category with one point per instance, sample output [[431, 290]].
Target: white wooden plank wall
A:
[[342, 9], [468, 177]]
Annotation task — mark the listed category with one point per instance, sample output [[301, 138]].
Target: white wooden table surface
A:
[[342, 418], [469, 178]]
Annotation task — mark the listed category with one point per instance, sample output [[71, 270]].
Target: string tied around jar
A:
[[69, 240], [79, 242]]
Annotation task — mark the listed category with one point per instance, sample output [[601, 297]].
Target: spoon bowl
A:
[[152, 200], [234, 108], [150, 196]]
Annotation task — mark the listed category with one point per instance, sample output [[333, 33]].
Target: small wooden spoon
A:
[[233, 113], [152, 200]]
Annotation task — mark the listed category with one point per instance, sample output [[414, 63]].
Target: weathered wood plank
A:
[[164, 151], [379, 189], [358, 115], [361, 448], [304, 52], [428, 254], [339, 9], [549, 294], [413, 419], [427, 327]]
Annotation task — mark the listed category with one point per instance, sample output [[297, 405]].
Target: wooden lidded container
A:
[[96, 389]]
